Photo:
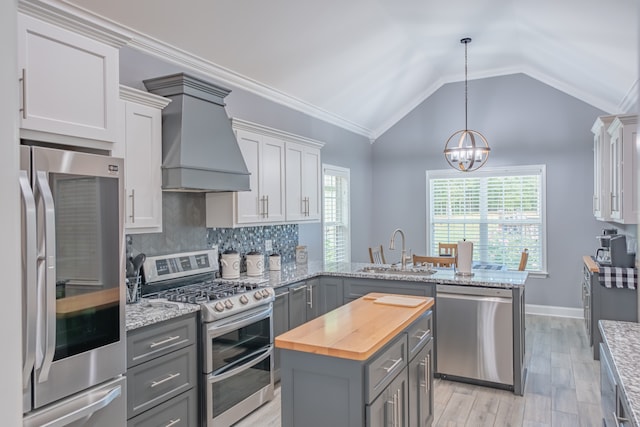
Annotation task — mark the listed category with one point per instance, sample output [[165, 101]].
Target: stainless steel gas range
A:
[[236, 338]]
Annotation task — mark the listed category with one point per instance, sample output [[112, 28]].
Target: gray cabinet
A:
[[391, 388], [280, 324], [162, 374], [331, 293], [354, 288], [602, 303]]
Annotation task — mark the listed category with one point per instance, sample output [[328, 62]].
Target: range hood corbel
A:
[[199, 148]]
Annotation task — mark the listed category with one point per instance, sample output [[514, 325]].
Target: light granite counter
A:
[[623, 341], [144, 313]]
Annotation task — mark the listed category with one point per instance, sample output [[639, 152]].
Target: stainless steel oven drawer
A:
[[384, 367], [181, 411], [161, 338], [420, 333], [161, 379]]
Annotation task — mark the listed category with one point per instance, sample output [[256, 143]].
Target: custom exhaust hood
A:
[[199, 147]]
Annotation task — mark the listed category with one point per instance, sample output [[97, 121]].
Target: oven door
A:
[[238, 365]]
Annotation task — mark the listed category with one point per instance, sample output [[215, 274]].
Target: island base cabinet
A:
[[420, 374], [390, 409]]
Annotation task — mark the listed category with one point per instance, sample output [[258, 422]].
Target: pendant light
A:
[[466, 150]]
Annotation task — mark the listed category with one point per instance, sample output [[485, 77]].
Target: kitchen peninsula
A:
[[366, 362]]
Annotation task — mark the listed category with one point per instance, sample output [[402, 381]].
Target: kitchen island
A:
[[367, 362]]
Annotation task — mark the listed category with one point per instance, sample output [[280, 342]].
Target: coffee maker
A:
[[618, 252], [603, 254]]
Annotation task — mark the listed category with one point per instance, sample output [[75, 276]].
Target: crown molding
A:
[[141, 97], [74, 19], [240, 124], [629, 103]]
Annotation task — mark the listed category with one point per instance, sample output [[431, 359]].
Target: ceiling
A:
[[364, 64]]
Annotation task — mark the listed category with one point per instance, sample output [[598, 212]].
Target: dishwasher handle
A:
[[473, 291]]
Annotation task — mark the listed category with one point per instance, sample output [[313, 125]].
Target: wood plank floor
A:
[[562, 388]]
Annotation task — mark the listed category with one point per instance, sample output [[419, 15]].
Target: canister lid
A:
[[254, 253], [230, 251]]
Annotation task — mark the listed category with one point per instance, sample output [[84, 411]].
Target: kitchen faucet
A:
[[392, 247]]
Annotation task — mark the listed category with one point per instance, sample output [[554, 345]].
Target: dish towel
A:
[[618, 277]]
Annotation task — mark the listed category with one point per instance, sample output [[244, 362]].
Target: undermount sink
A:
[[420, 271]]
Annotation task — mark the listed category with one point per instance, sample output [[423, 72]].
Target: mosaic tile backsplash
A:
[[184, 230]]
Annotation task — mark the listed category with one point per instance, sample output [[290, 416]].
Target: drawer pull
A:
[[393, 366], [424, 335], [168, 340], [173, 422], [162, 381]]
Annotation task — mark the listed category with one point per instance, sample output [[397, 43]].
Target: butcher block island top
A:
[[356, 330]]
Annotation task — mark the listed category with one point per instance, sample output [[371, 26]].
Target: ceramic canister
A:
[[255, 264], [274, 262], [230, 264]]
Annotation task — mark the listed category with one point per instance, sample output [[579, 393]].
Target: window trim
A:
[[346, 173], [497, 171]]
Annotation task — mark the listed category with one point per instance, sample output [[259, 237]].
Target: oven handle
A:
[[217, 377], [226, 325]]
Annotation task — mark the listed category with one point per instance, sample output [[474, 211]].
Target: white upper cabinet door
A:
[[273, 179], [623, 172], [250, 208], [69, 86], [601, 168], [141, 147], [303, 182]]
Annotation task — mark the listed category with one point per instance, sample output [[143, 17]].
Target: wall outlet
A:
[[267, 246]]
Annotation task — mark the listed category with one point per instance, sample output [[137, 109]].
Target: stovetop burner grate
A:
[[204, 292]]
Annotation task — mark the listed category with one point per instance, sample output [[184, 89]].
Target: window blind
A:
[[336, 215], [501, 211]]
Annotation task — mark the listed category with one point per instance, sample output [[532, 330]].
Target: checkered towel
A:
[[618, 277]]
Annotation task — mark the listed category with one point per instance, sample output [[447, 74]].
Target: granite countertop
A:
[[623, 341], [144, 313]]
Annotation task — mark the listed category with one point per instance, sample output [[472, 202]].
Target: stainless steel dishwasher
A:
[[474, 333]]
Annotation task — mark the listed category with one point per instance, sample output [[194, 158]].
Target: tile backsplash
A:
[[184, 230]]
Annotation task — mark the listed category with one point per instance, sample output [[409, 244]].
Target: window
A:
[[337, 233], [501, 210]]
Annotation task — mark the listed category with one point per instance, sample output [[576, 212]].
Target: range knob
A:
[[219, 307], [265, 293], [228, 304], [244, 299], [257, 295]]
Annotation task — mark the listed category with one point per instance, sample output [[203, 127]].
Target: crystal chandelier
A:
[[466, 150]]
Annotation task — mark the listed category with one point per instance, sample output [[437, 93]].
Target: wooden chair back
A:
[[437, 261], [524, 257], [376, 255], [448, 249]]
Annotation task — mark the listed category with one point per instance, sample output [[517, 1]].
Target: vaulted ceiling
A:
[[364, 64]]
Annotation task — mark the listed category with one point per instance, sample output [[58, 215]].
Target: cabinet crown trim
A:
[[142, 97], [74, 19], [600, 123], [621, 121], [239, 124]]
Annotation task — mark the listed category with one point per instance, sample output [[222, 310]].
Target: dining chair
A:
[[448, 249], [437, 261], [377, 255], [524, 257]]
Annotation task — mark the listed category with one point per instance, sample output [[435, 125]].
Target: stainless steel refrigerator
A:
[[73, 291]]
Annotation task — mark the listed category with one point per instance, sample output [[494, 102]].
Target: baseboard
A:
[[548, 310]]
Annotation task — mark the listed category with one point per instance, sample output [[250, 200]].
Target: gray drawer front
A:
[[160, 379], [420, 332], [181, 411], [385, 366], [152, 341]]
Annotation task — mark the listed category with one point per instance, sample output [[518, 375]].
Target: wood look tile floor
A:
[[562, 387]]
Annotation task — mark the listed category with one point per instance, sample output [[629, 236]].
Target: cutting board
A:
[[399, 301]]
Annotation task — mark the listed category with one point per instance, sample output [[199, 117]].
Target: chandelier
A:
[[466, 150]]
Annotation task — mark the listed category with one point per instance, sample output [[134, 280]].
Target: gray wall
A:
[[525, 122], [342, 148]]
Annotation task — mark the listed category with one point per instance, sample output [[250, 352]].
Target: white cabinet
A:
[[285, 174], [601, 168], [622, 174], [140, 144], [69, 83], [264, 203], [303, 182]]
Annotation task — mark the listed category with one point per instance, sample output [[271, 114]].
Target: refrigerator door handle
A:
[[102, 400], [30, 254], [47, 261]]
